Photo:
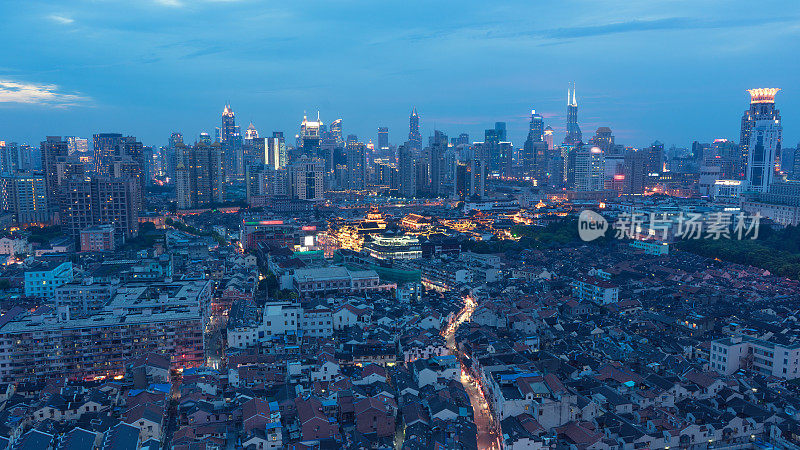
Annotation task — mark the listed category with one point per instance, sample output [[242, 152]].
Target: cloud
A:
[[669, 23], [180, 4], [559, 35], [64, 20], [37, 94], [170, 3]]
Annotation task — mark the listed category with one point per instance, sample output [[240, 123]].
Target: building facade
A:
[[760, 139]]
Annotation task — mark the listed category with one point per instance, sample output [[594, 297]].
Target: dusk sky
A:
[[675, 71]]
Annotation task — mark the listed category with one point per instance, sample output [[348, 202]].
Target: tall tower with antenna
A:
[[414, 137], [573, 136]]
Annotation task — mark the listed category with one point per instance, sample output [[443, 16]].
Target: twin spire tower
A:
[[574, 135]]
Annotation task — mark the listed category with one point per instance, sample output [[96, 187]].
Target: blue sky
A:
[[649, 69]]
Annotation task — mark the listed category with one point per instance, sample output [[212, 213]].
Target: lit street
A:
[[488, 434]]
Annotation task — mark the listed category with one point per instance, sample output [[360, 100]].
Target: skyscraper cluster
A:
[[76, 188], [64, 181]]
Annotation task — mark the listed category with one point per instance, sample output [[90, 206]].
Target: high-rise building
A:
[[356, 166], [199, 175], [106, 147], [251, 132], [698, 150], [502, 134], [533, 155], [586, 169], [463, 179], [114, 153], [787, 161], [310, 136], [228, 129], [506, 150], [795, 173], [264, 182], [603, 138], [53, 148], [99, 200], [253, 146], [175, 138], [407, 171], [306, 178], [126, 167], [469, 179], [548, 137], [414, 137], [9, 157], [536, 127], [255, 151], [491, 144], [336, 132], [573, 136], [437, 163], [383, 138], [462, 139], [276, 150], [24, 194], [169, 156], [479, 163], [228, 134], [635, 167], [655, 158], [77, 145], [726, 155], [533, 158], [760, 139]]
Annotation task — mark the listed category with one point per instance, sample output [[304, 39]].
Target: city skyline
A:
[[83, 69]]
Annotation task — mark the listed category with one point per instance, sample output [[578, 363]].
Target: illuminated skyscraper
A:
[[336, 132], [276, 150], [76, 144], [253, 147], [573, 136], [175, 138], [306, 178], [9, 157], [383, 138], [106, 146], [230, 137], [414, 138], [548, 137], [655, 158], [492, 139], [310, 135], [24, 194], [586, 169], [533, 153], [251, 132], [536, 127], [228, 127], [760, 139]]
